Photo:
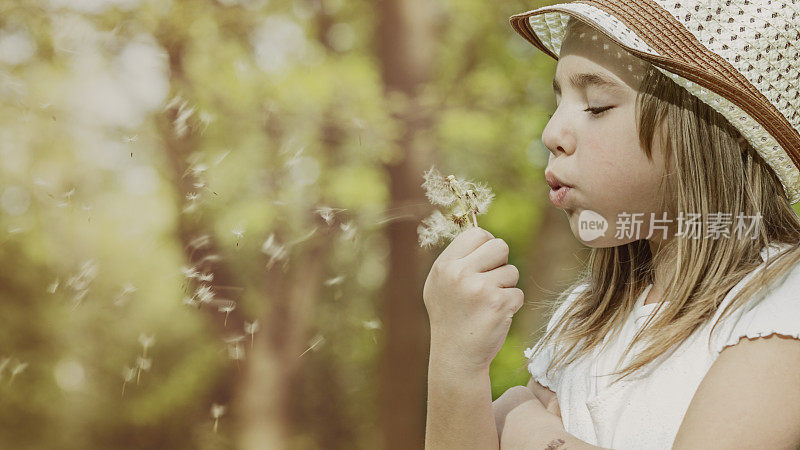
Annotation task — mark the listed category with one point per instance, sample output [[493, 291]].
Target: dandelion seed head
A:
[[437, 188], [436, 228], [470, 200]]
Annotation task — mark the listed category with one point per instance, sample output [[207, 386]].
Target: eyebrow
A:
[[586, 79]]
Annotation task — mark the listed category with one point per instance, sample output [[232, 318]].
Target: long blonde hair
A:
[[711, 169]]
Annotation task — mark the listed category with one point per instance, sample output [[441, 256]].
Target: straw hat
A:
[[738, 56]]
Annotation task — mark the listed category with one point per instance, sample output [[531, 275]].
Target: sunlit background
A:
[[209, 212]]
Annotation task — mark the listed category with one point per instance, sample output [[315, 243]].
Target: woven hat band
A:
[[659, 38]]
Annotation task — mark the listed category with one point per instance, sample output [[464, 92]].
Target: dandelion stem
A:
[[216, 421], [123, 388]]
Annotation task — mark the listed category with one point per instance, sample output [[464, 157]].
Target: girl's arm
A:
[[460, 412], [531, 425]]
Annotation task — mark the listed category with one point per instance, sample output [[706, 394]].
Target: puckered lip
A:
[[554, 181]]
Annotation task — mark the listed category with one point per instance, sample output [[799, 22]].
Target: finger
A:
[[490, 255], [465, 242], [515, 299], [504, 276]]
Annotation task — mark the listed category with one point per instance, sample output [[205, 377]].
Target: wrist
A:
[[446, 359]]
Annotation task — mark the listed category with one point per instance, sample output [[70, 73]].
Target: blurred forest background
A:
[[208, 214]]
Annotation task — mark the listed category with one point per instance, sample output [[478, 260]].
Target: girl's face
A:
[[594, 143]]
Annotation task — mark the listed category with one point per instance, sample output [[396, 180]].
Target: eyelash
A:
[[598, 110]]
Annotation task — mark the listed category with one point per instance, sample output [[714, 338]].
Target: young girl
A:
[[674, 154]]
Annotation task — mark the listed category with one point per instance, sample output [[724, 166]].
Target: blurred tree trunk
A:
[[405, 54], [259, 389]]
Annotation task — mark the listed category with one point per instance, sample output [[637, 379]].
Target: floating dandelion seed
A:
[[348, 230], [205, 119], [204, 294], [238, 232], [235, 350], [274, 250], [128, 374], [88, 209], [16, 370], [216, 412], [251, 328], [53, 286], [189, 301], [200, 242], [146, 341], [373, 324], [192, 196], [333, 281], [328, 213], [198, 169], [124, 296], [468, 200], [206, 277], [227, 309], [80, 282], [221, 157], [132, 139], [208, 259], [189, 272], [142, 363], [316, 341], [182, 116]]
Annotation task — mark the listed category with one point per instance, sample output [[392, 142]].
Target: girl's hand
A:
[[471, 297], [526, 421]]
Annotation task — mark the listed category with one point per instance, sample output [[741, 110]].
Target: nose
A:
[[557, 136]]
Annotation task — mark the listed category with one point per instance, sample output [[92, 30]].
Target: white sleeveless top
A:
[[645, 409]]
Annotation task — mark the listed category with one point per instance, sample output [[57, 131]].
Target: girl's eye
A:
[[598, 110]]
